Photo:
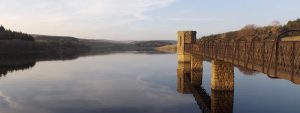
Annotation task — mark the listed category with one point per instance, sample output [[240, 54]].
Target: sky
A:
[[141, 19]]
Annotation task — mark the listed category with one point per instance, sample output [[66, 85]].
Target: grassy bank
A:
[[168, 48]]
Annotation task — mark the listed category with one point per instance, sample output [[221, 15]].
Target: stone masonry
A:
[[196, 69], [222, 75], [185, 41], [222, 101]]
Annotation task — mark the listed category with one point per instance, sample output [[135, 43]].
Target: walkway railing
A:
[[271, 57]]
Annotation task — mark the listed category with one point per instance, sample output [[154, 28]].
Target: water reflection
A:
[[18, 62], [220, 101], [290, 77], [6, 68], [246, 71], [221, 98], [108, 83], [113, 83]]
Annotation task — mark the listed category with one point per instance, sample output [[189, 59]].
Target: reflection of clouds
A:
[[7, 100], [103, 89]]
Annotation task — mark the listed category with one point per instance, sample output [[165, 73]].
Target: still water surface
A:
[[131, 83]]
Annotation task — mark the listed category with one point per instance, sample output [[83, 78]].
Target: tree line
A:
[[12, 35], [18, 42], [255, 33]]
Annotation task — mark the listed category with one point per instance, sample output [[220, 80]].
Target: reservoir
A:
[[130, 82]]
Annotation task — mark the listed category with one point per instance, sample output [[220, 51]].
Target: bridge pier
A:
[[222, 76]]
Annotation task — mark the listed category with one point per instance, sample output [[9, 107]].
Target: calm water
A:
[[130, 83]]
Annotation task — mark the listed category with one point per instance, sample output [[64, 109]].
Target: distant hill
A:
[[13, 42], [259, 33], [61, 43], [109, 45], [54, 38], [103, 45], [17, 42], [153, 43]]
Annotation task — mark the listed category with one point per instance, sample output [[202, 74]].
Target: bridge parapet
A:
[[260, 56], [275, 58]]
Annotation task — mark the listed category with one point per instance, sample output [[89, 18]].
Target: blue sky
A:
[[141, 19]]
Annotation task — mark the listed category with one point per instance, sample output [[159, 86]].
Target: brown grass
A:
[[168, 48], [293, 38]]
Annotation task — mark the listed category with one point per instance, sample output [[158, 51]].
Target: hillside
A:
[[17, 42], [101, 45], [6, 34], [258, 33], [109, 45]]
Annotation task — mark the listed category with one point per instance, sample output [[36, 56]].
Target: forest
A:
[[255, 33], [12, 35], [17, 42]]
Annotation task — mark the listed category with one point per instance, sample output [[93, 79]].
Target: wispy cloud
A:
[[12, 104], [188, 19], [78, 9], [112, 19], [68, 17]]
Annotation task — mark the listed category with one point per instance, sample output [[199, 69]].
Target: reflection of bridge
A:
[[220, 101], [278, 59]]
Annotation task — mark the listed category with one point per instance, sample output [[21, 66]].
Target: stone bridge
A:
[[277, 59]]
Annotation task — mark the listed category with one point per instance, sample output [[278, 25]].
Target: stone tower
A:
[[185, 41]]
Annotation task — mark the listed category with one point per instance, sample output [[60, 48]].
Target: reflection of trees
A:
[[6, 68], [14, 62], [246, 71]]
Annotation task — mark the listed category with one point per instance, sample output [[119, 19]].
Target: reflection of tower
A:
[[183, 72], [191, 71]]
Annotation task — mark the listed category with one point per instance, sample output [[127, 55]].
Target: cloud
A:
[[80, 10], [80, 18], [192, 19], [12, 104]]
